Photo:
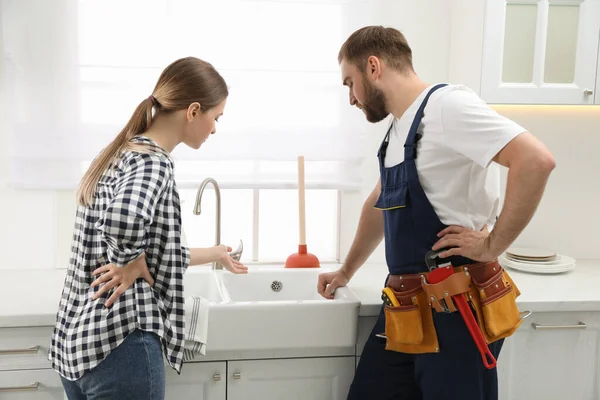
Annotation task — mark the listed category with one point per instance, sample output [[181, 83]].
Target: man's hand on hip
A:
[[465, 242]]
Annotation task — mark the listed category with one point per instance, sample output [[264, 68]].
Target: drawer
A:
[[562, 322], [24, 348], [43, 384]]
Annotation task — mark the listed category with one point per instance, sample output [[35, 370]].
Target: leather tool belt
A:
[[488, 289]]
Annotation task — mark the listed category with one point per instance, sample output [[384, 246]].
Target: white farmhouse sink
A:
[[273, 308], [277, 285], [203, 282]]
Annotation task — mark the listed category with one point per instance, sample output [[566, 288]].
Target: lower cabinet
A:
[[290, 379], [34, 384], [197, 381], [553, 356], [326, 378]]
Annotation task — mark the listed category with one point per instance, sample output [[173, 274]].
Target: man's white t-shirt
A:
[[461, 136]]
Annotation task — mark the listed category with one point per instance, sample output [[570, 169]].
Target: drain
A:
[[276, 286]]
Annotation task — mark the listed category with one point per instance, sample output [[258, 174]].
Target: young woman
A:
[[122, 302]]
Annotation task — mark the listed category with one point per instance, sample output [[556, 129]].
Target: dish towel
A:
[[196, 326]]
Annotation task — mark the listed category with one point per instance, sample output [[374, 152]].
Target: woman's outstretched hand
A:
[[221, 256]]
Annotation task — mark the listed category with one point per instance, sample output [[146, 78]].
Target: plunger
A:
[[302, 259]]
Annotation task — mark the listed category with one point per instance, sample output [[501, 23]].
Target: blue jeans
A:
[[134, 370]]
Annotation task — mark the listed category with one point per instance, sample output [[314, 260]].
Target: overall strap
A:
[[410, 146]]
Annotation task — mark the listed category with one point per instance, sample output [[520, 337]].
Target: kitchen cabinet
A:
[[25, 372], [24, 348], [35, 384], [540, 52], [597, 101], [326, 378], [553, 356], [198, 381]]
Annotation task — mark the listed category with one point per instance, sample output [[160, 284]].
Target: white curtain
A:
[[74, 70]]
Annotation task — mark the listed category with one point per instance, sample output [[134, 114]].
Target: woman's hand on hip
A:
[[121, 278]]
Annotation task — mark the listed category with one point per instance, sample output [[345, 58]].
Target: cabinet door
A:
[[35, 384], [540, 51], [597, 91], [365, 326], [198, 381], [291, 379], [24, 348], [553, 356]]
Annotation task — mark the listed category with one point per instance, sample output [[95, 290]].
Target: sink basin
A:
[[204, 283], [277, 285], [272, 308]]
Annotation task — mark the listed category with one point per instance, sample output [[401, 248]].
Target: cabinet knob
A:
[[216, 377], [588, 92], [237, 375]]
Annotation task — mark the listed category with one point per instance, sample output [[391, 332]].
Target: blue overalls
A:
[[411, 226]]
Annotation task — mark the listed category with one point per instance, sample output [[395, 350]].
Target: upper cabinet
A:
[[541, 52], [598, 79]]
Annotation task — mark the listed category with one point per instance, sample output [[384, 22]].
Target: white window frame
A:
[[348, 201], [256, 227]]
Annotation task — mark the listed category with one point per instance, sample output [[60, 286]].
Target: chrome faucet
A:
[[203, 185]]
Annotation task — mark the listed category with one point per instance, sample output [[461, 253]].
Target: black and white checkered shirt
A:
[[136, 210]]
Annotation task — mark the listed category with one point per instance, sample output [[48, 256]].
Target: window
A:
[[265, 220], [76, 78]]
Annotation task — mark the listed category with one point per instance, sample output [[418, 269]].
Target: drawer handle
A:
[[525, 314], [30, 350], [237, 375], [541, 327], [29, 388]]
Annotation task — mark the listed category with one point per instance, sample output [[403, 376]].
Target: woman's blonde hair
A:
[[182, 83]]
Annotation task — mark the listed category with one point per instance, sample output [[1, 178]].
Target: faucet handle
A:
[[237, 253]]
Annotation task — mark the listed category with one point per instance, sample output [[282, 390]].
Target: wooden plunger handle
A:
[[301, 201]]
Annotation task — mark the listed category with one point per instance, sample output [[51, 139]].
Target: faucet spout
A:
[[197, 211]]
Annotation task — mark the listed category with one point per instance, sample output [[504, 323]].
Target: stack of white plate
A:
[[536, 260]]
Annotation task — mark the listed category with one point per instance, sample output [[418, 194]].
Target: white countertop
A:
[[30, 297]]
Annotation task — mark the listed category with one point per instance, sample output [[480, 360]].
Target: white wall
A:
[[36, 226], [567, 218]]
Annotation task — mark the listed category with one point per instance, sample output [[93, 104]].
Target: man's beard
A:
[[374, 105]]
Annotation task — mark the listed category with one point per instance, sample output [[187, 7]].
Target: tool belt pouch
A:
[[409, 327], [440, 294], [493, 296]]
